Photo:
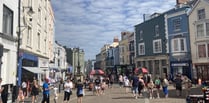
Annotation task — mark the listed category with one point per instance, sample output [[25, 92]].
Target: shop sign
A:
[[180, 64]]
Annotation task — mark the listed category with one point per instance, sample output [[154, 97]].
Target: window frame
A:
[[8, 19], [178, 48], [201, 15], [177, 24], [157, 30], [141, 51], [141, 35], [159, 44], [198, 50], [29, 36]]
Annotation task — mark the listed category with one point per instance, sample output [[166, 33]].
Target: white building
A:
[[37, 35], [59, 64], [8, 38]]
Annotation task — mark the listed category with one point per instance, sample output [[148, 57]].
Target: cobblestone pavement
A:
[[118, 95]]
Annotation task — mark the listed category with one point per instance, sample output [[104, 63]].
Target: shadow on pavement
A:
[[123, 97]]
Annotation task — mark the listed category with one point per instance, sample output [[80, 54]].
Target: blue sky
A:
[[89, 24]]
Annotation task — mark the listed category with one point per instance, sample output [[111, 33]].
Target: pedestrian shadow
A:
[[123, 97]]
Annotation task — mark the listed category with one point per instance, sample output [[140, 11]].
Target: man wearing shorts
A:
[[97, 85]]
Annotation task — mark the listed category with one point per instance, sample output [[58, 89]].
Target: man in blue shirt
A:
[[135, 84], [46, 94]]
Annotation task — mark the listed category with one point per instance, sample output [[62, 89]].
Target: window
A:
[[39, 15], [29, 36], [201, 14], [178, 45], [157, 32], [141, 47], [200, 30], [207, 29], [157, 47], [7, 21], [45, 47], [141, 35], [176, 24], [39, 41], [201, 51], [45, 24]]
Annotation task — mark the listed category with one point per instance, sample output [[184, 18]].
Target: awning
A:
[[36, 70]]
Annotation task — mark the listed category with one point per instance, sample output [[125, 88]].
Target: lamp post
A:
[[19, 59], [79, 67]]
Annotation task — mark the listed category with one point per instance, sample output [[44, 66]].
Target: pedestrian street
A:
[[118, 95]]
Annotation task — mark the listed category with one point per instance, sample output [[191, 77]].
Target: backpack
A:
[[140, 84], [157, 82]]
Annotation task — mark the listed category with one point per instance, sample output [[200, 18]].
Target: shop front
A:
[[202, 71], [182, 67], [26, 60]]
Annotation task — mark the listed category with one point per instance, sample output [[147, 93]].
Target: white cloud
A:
[[90, 24]]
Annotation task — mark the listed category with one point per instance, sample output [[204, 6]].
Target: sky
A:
[[89, 24]]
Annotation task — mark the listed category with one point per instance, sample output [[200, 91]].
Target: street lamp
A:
[[19, 69], [79, 67]]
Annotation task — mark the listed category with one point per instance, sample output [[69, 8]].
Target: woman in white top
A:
[[68, 86], [126, 83]]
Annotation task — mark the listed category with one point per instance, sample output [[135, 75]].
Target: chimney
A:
[[115, 39], [181, 1]]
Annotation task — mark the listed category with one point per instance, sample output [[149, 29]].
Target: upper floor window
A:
[[141, 49], [157, 31], [157, 46], [178, 45], [39, 41], [39, 15], [201, 14], [202, 30], [207, 29], [177, 24], [141, 35], [29, 36], [7, 21], [202, 50], [45, 47]]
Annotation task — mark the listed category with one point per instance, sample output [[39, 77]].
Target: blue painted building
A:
[[179, 42], [151, 45], [27, 67]]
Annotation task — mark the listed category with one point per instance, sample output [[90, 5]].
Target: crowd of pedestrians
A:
[[144, 85], [140, 85]]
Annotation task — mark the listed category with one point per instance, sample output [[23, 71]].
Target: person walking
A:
[[68, 90], [135, 83], [55, 94], [98, 86], [150, 87], [165, 84], [34, 91], [141, 85], [46, 91], [21, 96], [178, 84], [157, 86], [120, 81], [24, 88], [126, 84], [187, 84], [80, 91]]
